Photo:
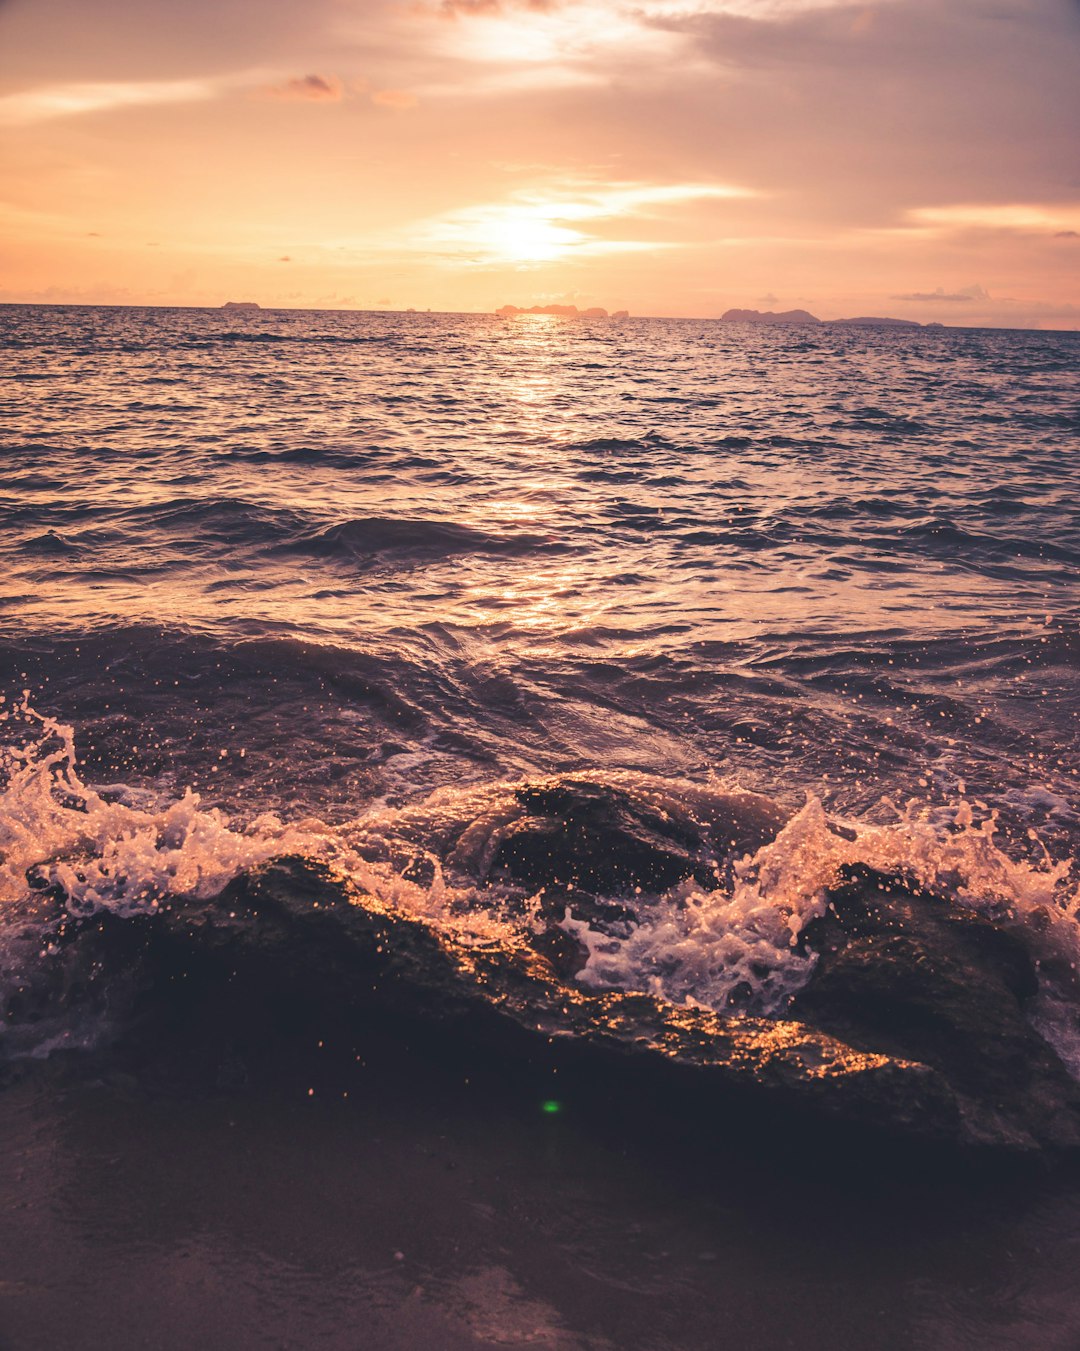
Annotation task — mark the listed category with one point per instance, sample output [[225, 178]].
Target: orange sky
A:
[[671, 157]]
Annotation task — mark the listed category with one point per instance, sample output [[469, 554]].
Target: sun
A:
[[522, 236]]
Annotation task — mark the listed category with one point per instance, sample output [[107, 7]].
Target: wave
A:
[[705, 901], [307, 339], [51, 543], [993, 653], [235, 521], [946, 535], [246, 525], [415, 535], [401, 711]]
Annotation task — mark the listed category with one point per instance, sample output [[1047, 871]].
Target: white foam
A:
[[110, 854], [126, 852], [741, 947]]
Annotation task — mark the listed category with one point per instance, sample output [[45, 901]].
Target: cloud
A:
[[1026, 216], [454, 9], [967, 295], [1067, 234], [69, 100], [307, 89], [647, 10], [330, 89], [512, 48], [927, 103]]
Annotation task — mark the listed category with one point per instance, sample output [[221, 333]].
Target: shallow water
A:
[[332, 584]]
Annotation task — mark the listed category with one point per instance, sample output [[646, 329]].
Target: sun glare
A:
[[523, 238], [550, 35], [540, 228]]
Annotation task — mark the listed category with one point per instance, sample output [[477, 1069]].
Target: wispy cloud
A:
[[68, 100], [524, 46], [642, 9], [71, 100], [966, 296], [454, 9], [492, 47], [998, 216]]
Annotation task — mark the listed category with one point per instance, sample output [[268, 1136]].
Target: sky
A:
[[916, 158]]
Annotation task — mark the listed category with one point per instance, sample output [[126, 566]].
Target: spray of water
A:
[[117, 849]]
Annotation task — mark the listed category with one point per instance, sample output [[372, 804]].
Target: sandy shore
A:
[[147, 1207]]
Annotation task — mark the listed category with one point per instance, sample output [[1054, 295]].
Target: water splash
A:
[[106, 849], [735, 948], [98, 846], [740, 948]]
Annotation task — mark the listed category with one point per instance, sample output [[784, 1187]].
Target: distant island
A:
[[805, 317], [770, 317], [241, 305], [567, 311]]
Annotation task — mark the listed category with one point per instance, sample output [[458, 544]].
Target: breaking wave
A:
[[736, 945]]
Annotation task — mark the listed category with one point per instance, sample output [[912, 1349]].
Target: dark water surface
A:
[[346, 577], [677, 546]]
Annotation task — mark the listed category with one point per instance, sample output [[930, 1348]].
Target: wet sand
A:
[[154, 1204]]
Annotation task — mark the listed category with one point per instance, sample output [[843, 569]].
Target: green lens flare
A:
[[551, 1107]]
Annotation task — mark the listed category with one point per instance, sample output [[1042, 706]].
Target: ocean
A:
[[589, 659]]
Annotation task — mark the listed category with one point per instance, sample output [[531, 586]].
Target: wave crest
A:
[[736, 946]]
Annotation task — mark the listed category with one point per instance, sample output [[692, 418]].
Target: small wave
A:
[[980, 654], [854, 509], [233, 520], [50, 543], [942, 533], [886, 424], [413, 535], [615, 445], [307, 339]]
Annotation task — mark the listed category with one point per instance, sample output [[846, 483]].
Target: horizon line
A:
[[493, 314]]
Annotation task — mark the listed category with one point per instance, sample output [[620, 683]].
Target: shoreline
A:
[[157, 1208]]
